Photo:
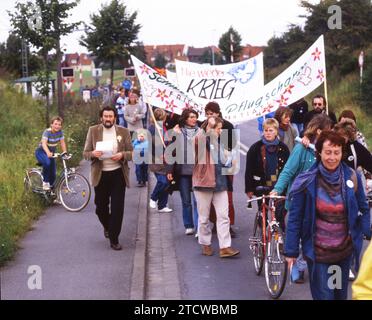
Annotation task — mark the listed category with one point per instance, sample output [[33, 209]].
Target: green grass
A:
[[21, 125], [343, 95], [90, 81]]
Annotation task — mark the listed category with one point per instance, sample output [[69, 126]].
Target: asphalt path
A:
[[213, 278], [75, 260]]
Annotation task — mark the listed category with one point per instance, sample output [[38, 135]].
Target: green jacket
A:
[[300, 160]]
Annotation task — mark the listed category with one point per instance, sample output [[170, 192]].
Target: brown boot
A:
[[228, 252], [207, 250]]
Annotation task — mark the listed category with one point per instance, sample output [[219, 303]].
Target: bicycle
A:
[[71, 189], [267, 247]]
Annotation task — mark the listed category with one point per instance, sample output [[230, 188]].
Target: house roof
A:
[[170, 52], [249, 51], [84, 59]]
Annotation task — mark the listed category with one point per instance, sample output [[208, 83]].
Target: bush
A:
[[22, 123]]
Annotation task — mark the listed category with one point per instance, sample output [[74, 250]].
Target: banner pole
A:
[[326, 92], [155, 123], [325, 82]]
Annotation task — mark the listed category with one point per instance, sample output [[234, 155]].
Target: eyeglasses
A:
[[317, 104]]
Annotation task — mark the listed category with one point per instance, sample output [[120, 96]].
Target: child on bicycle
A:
[[265, 160], [47, 147]]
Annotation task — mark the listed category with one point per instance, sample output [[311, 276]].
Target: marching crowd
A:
[[318, 161]]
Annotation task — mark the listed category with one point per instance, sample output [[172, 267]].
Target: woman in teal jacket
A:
[[300, 160]]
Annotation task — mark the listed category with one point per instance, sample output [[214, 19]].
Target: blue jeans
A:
[[319, 278], [141, 172], [190, 217], [159, 193], [49, 166]]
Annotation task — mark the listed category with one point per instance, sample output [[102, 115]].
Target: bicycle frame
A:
[[272, 219], [64, 173]]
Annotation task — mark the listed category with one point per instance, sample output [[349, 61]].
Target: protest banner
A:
[[160, 92], [306, 74], [223, 84]]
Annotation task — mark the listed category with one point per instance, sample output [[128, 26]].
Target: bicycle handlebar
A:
[[64, 155], [265, 197]]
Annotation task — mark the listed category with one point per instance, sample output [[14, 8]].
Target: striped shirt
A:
[[52, 139]]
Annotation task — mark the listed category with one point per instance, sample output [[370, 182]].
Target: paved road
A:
[[75, 258], [215, 278]]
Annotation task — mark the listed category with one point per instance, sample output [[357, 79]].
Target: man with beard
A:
[[109, 171], [319, 105]]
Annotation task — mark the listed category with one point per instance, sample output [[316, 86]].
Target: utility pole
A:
[[59, 81], [231, 47], [24, 59]]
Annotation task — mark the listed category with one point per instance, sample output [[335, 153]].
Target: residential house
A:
[[76, 61]]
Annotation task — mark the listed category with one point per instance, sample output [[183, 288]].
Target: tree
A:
[[112, 34], [44, 30], [286, 48], [228, 38], [160, 61], [11, 60], [207, 57]]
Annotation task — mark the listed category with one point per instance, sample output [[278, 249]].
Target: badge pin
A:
[[350, 183]]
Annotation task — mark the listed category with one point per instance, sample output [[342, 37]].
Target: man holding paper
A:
[[109, 148]]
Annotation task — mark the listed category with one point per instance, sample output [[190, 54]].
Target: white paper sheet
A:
[[107, 147]]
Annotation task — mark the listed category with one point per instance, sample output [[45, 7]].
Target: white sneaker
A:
[[46, 186], [196, 236], [351, 275], [152, 204], [189, 231], [165, 210]]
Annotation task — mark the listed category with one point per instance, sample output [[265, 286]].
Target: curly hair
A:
[[334, 138], [282, 111], [185, 115], [347, 129], [321, 122]]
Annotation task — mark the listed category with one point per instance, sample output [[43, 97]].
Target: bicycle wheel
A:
[[75, 194], [275, 265], [256, 244], [33, 181]]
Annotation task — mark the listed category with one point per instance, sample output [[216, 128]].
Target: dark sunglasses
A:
[[317, 104]]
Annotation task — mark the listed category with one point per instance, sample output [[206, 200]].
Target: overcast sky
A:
[[193, 22]]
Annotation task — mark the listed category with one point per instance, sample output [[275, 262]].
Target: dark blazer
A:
[[94, 135], [254, 170]]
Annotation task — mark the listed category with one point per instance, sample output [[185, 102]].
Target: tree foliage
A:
[[231, 36], [41, 24], [113, 33], [160, 61], [11, 57], [342, 45]]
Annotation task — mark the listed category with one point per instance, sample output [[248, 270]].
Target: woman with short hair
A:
[[323, 215]]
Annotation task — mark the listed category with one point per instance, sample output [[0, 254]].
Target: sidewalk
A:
[[162, 270], [76, 260]]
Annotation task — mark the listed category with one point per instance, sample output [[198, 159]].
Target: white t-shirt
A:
[[110, 135]]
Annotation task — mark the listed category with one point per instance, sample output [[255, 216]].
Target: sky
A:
[[195, 23]]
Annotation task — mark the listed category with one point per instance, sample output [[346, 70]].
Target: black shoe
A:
[[106, 233], [116, 246]]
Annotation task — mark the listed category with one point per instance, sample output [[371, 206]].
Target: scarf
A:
[[189, 132], [303, 180], [271, 161]]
